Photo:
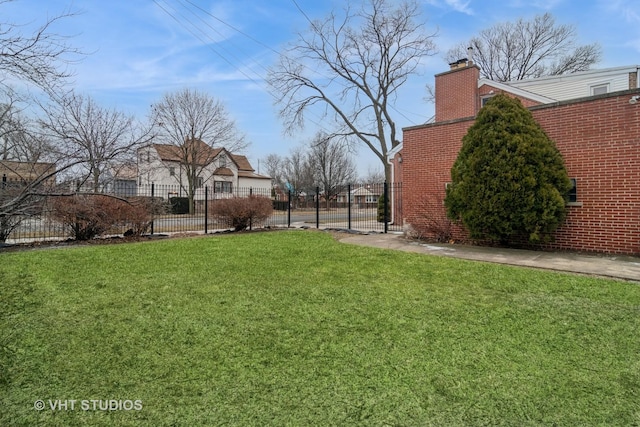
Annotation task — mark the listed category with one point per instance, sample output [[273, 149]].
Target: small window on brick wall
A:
[[572, 195], [485, 99]]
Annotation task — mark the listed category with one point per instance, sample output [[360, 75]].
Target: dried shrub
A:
[[240, 212], [89, 216], [431, 222], [136, 215]]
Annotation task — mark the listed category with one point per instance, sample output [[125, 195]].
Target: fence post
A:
[[349, 206], [206, 209], [317, 207], [152, 195], [289, 209], [250, 216]]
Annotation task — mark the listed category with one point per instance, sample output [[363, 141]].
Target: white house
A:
[[550, 89], [223, 173]]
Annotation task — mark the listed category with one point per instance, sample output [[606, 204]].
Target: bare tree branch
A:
[[353, 67], [97, 137], [194, 123], [331, 165], [527, 49], [41, 58]]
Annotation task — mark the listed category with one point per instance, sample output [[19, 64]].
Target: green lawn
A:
[[296, 329]]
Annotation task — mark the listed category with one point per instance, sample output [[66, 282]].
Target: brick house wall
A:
[[456, 93], [599, 138]]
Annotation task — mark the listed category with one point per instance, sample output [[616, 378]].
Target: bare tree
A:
[[98, 138], [29, 145], [373, 176], [19, 141], [10, 122], [274, 167], [527, 49], [331, 165], [298, 175], [195, 123], [40, 58], [352, 67]]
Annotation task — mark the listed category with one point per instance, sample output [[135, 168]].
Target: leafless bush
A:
[[89, 216], [431, 222], [136, 215], [240, 212]]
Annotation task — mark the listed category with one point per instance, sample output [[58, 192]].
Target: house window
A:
[[485, 99], [222, 187], [172, 171], [600, 89], [572, 195], [199, 182], [223, 161]]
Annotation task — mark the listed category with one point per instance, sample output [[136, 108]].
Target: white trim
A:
[[516, 91]]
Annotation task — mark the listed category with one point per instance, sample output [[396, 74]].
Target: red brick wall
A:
[[599, 139], [457, 93], [428, 153]]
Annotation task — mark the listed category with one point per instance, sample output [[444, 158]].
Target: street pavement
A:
[[610, 266]]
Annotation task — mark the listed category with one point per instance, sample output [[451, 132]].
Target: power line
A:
[[209, 45], [188, 28], [253, 39], [248, 36]]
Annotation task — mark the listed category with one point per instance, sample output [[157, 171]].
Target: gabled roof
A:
[[548, 89], [242, 162], [515, 90], [223, 172], [251, 174], [203, 152], [579, 75], [205, 155]]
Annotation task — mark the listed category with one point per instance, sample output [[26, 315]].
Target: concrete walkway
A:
[[611, 266]]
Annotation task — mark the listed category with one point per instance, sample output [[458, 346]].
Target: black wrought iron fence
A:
[[368, 207]]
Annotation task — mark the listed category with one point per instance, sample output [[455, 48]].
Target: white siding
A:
[[152, 170], [577, 85], [259, 185]]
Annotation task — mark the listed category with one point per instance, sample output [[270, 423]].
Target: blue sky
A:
[[138, 51]]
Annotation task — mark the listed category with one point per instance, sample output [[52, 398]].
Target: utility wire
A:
[[210, 46], [275, 51], [191, 25]]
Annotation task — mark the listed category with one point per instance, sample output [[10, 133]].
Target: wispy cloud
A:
[[457, 5], [546, 5], [460, 6], [627, 10]]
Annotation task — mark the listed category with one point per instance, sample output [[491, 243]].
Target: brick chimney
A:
[[457, 91]]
